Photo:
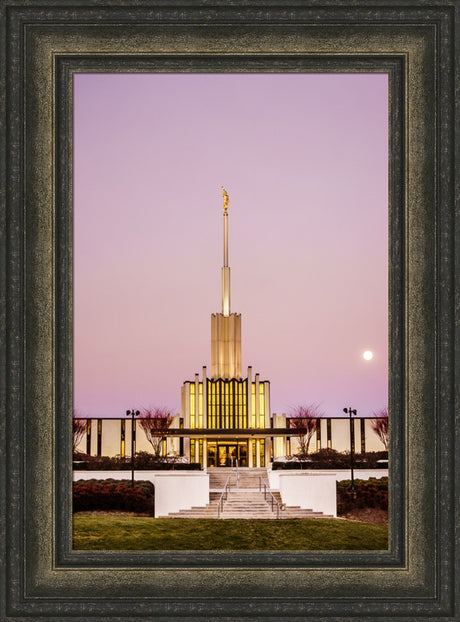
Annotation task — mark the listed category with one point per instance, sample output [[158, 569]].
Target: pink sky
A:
[[304, 160]]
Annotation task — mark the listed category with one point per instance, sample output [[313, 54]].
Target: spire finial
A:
[[226, 199]]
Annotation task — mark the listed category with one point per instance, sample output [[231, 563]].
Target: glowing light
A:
[[368, 355]]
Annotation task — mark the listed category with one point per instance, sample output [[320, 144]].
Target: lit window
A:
[[88, 436], [99, 437], [262, 406], [318, 435], [200, 451], [192, 399], [192, 450], [192, 405], [123, 437]]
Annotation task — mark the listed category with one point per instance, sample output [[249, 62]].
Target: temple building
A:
[[226, 414]]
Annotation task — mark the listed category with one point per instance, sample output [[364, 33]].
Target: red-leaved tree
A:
[[303, 422], [380, 426], [78, 431], [155, 422]]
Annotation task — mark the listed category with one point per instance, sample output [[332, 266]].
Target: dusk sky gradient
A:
[[304, 158]]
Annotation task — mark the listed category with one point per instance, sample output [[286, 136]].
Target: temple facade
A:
[[116, 436], [227, 419]]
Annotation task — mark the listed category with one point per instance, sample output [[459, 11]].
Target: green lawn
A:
[[146, 534]]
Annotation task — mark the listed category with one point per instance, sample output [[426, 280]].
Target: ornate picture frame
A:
[[44, 44]]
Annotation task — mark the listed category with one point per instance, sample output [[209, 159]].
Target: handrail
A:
[[236, 466], [220, 503], [273, 498]]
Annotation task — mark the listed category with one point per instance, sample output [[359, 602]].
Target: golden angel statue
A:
[[226, 199]]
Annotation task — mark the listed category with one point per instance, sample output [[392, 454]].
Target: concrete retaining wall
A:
[[174, 490], [181, 490], [315, 489], [308, 489]]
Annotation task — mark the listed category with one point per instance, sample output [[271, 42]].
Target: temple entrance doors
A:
[[225, 453]]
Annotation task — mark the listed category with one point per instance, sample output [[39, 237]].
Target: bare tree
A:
[[303, 420], [78, 431], [155, 422], [380, 426]]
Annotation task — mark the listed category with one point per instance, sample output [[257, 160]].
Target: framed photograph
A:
[[49, 48], [302, 294]]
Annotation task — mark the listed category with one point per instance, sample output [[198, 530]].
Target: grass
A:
[[96, 532]]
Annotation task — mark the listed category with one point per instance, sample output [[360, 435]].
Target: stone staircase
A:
[[244, 500], [246, 504], [247, 478]]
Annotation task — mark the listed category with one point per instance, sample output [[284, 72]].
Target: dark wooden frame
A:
[[43, 42]]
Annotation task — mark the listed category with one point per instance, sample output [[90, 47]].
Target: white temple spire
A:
[[225, 326], [225, 268]]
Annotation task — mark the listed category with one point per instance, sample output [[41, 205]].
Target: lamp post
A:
[[132, 413], [351, 412]]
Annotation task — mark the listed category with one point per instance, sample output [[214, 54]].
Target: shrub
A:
[[291, 465], [113, 495], [330, 459], [146, 460], [192, 466], [102, 463], [371, 493]]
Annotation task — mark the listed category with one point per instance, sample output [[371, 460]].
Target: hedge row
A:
[[332, 459], [110, 494], [291, 466], [142, 461], [371, 493]]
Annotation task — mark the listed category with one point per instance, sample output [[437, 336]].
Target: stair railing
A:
[[223, 496], [236, 467], [272, 498]]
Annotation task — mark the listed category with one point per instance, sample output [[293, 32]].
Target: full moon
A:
[[368, 355]]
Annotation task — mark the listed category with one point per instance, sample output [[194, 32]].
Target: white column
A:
[[94, 437], [268, 447], [187, 447], [197, 389], [267, 403], [250, 442], [205, 453], [258, 452], [185, 399]]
